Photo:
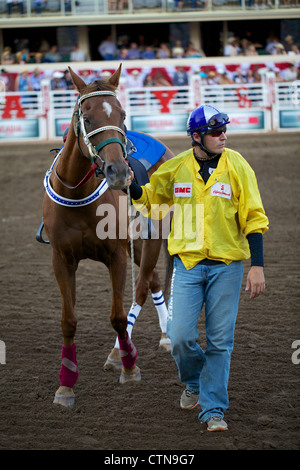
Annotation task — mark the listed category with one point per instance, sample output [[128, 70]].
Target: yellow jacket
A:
[[210, 220]]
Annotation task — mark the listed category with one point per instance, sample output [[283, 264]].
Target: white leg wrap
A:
[[162, 311], [131, 318]]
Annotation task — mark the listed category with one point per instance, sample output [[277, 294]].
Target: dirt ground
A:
[[264, 412]]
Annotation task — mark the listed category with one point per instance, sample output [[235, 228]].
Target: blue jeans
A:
[[217, 286]]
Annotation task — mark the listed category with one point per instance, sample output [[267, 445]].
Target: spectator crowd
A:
[[151, 77], [127, 50]]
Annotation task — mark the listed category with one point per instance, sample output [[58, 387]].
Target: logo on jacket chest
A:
[[221, 190], [182, 189]]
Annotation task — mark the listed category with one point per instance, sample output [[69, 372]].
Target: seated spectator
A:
[[279, 50], [36, 58], [263, 5], [199, 3], [180, 77], [52, 55], [244, 44], [239, 76], [178, 5], [123, 54], [278, 77], [58, 82], [133, 52], [114, 5], [163, 52], [148, 53], [11, 3], [68, 80], [35, 80], [148, 81], [250, 76], [22, 82], [68, 6], [38, 6], [177, 50], [191, 51], [77, 55], [232, 47], [251, 50], [225, 80], [290, 73], [4, 81], [288, 43], [108, 49], [135, 79], [295, 50], [7, 57], [271, 45], [19, 58], [105, 74], [212, 78]]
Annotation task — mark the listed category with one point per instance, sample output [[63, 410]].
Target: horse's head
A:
[[101, 124]]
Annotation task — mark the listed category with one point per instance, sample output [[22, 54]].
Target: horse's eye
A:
[[86, 120]]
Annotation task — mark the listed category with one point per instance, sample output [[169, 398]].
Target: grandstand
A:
[[209, 25]]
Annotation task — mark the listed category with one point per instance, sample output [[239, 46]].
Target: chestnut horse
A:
[[90, 171]]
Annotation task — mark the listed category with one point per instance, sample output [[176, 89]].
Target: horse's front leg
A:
[[145, 278], [68, 375], [118, 318]]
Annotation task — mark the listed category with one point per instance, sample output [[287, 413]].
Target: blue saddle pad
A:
[[145, 148]]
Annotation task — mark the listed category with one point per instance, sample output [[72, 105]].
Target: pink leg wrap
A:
[[128, 352], [69, 370]]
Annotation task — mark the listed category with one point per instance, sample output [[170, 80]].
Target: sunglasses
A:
[[217, 132]]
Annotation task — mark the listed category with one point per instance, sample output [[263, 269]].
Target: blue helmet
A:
[[205, 118]]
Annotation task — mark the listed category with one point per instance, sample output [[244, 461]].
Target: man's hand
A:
[[256, 281], [130, 178]]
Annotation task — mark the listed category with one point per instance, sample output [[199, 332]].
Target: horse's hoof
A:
[[130, 375], [165, 344], [112, 364], [113, 361], [64, 396]]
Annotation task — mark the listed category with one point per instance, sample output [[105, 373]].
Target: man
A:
[[218, 221], [108, 49]]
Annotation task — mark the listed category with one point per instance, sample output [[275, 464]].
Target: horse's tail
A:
[[169, 269]]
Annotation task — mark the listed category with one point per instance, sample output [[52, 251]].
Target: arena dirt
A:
[[264, 381]]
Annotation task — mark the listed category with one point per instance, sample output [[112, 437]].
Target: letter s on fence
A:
[[296, 354]]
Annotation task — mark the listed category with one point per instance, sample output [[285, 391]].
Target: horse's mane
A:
[[98, 85]]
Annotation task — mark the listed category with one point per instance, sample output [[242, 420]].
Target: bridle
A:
[[94, 150]]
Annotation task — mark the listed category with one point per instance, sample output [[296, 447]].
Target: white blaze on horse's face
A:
[[107, 108]]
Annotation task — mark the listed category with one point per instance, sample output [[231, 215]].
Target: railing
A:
[[156, 110], [286, 105], [100, 7]]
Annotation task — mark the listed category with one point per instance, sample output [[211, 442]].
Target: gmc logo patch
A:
[[182, 189]]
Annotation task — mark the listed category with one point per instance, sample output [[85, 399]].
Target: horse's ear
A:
[[78, 82], [115, 78]]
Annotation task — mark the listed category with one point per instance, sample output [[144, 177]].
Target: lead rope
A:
[[131, 218]]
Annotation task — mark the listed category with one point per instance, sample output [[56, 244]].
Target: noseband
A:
[[93, 150]]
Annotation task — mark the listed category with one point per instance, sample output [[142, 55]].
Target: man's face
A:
[[214, 141]]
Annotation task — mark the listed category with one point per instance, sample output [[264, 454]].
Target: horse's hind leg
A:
[[146, 255], [148, 278], [65, 275]]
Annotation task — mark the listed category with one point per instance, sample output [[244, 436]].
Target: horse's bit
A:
[[93, 150]]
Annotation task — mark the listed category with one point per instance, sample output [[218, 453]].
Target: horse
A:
[[90, 172]]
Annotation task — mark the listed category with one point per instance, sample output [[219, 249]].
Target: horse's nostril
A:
[[111, 171], [116, 176]]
